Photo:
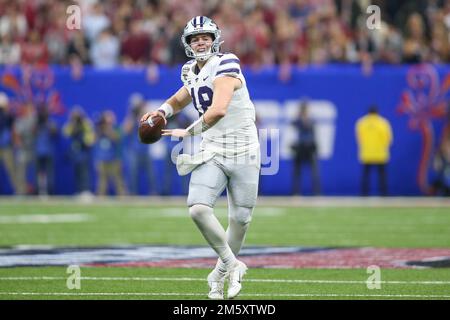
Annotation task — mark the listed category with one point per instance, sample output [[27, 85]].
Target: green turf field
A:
[[75, 224], [171, 283]]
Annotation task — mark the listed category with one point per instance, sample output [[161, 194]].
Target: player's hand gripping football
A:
[[152, 114]]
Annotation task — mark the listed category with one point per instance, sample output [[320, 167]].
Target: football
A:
[[150, 129]]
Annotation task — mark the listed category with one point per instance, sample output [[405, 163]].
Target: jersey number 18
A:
[[205, 96]]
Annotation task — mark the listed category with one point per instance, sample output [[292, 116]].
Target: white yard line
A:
[[44, 278], [45, 218]]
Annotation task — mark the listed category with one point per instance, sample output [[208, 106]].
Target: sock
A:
[[239, 222], [213, 233]]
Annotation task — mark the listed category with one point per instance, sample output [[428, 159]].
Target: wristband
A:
[[167, 109]]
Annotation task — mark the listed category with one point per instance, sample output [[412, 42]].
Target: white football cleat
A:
[[216, 283], [236, 274]]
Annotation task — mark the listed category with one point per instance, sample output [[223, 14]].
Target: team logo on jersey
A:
[[185, 73]]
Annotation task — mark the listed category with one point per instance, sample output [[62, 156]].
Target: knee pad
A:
[[241, 215], [198, 211]]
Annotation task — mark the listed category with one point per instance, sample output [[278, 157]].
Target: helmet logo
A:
[[198, 22]]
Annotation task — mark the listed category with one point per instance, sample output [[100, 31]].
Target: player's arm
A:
[[223, 92], [171, 106], [179, 100]]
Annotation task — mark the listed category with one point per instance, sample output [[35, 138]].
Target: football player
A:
[[229, 156]]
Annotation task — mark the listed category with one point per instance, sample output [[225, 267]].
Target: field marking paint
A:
[[44, 278], [202, 294], [45, 218]]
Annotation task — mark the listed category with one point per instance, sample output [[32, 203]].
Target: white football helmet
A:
[[197, 25]]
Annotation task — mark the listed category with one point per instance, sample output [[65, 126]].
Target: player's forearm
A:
[[179, 100], [213, 115], [206, 121], [175, 104]]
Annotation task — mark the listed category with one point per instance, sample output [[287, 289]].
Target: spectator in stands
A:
[[6, 141], [415, 46], [440, 40], [135, 46], [95, 21], [105, 50], [46, 133], [374, 138], [446, 12], [78, 53], [9, 51], [80, 131], [13, 22], [137, 154], [305, 150], [34, 51], [39, 15], [336, 45], [391, 44], [56, 38], [108, 162], [78, 47], [316, 53], [366, 49]]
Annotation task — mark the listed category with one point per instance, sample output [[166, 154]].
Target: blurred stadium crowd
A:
[[260, 32]]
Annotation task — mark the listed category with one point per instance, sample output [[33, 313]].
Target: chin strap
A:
[[205, 56]]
